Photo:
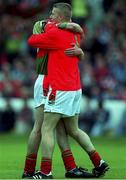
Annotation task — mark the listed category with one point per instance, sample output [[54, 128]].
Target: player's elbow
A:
[[30, 41]]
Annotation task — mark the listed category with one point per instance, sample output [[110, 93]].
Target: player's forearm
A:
[[40, 41], [75, 27], [34, 41], [81, 56], [72, 27]]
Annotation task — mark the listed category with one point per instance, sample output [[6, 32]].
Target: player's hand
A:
[[74, 51], [37, 28]]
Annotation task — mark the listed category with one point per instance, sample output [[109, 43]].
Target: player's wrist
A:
[[63, 25]]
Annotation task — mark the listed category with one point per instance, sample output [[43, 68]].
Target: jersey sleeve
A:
[[47, 40]]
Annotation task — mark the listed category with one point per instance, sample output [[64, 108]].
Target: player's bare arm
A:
[[72, 27]]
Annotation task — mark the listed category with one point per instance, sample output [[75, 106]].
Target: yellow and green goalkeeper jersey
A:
[[42, 57]]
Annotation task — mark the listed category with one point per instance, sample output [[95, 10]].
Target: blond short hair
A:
[[65, 10]]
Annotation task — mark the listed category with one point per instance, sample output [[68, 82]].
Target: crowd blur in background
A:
[[103, 70]]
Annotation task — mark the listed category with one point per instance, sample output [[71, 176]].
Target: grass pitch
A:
[[13, 150]]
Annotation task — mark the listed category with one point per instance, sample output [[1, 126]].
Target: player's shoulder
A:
[[52, 31], [49, 25]]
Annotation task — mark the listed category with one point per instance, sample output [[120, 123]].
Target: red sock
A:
[[68, 160], [46, 165], [30, 163], [95, 158]]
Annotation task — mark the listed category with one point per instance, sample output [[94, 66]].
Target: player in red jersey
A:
[[39, 99], [64, 99]]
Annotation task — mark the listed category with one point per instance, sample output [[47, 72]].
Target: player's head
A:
[[61, 12]]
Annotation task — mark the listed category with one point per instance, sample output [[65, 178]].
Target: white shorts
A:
[[66, 103], [39, 98]]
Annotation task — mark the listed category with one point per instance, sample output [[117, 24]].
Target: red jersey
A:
[[63, 72]]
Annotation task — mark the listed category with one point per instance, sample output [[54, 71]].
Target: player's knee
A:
[[47, 127], [45, 130], [73, 133]]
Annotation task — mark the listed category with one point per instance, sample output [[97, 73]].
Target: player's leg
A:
[[62, 140], [83, 139], [48, 141], [68, 106], [72, 170], [33, 143], [35, 135], [71, 125]]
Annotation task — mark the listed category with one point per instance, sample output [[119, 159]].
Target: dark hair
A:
[[65, 9]]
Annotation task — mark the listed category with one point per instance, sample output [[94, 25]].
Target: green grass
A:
[[13, 149]]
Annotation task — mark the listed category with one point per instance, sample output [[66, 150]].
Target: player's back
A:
[[63, 70]]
